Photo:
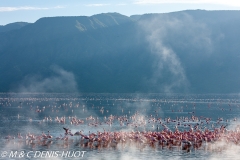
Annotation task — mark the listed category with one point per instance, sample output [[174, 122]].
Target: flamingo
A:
[[66, 130], [49, 136]]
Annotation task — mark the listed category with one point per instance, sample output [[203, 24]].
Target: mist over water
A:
[[62, 81], [19, 114], [43, 106], [167, 36]]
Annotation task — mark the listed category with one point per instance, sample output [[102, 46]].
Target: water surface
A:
[[36, 114]]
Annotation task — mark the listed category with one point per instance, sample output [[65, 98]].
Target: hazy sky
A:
[[31, 10]]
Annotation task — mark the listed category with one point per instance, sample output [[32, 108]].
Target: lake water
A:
[[38, 113]]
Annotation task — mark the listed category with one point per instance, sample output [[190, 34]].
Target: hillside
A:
[[12, 26], [187, 52]]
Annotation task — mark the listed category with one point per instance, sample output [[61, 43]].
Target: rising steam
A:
[[164, 34], [62, 81]]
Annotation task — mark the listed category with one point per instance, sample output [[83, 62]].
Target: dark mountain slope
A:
[[12, 26], [188, 51]]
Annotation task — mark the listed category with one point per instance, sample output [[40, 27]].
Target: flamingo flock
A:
[[138, 130], [185, 131]]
